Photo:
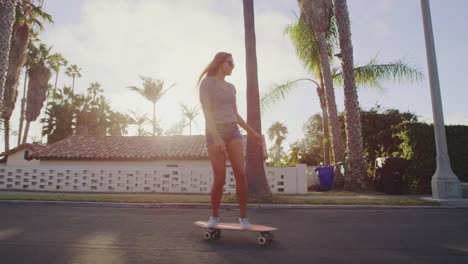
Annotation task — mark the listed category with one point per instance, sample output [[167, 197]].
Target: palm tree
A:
[[7, 19], [176, 129], [100, 116], [370, 75], [27, 23], [33, 52], [255, 170], [39, 76], [318, 14], [140, 121], [94, 89], [357, 172], [305, 43], [190, 113], [277, 132], [56, 62], [60, 116], [73, 71], [118, 123], [17, 59], [152, 90]]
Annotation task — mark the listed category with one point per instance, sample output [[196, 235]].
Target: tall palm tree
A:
[[73, 71], [305, 43], [32, 54], [39, 76], [56, 62], [190, 113], [17, 59], [318, 14], [28, 24], [357, 169], [277, 132], [152, 90], [7, 19], [255, 170]]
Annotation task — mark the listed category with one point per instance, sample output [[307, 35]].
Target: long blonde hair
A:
[[213, 66]]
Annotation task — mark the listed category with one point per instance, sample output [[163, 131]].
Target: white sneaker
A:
[[213, 222], [244, 223]]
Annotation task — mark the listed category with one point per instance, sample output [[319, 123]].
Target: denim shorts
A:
[[227, 131]]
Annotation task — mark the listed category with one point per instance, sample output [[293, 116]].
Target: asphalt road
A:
[[59, 234]]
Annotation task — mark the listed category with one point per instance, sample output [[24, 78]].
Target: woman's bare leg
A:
[[235, 150], [218, 163]]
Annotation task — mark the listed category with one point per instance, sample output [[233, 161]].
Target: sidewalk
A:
[[322, 200]]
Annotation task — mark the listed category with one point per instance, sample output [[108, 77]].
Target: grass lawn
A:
[[329, 198]]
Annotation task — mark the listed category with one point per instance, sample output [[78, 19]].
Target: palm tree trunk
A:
[[190, 126], [325, 124], [278, 153], [154, 119], [255, 170], [26, 131], [7, 19], [55, 86], [7, 134], [337, 140], [47, 102], [357, 164], [23, 107], [73, 85]]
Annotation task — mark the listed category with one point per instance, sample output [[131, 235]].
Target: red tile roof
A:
[[28, 146], [126, 148]]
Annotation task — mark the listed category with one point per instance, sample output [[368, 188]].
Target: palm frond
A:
[[373, 73], [305, 42]]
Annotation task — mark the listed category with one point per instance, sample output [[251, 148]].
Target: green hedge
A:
[[417, 144]]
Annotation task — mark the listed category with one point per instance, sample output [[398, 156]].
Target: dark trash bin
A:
[[389, 174], [325, 174]]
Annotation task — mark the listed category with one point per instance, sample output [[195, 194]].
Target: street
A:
[[58, 234]]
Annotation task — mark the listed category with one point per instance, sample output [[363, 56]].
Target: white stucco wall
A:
[[146, 177], [129, 164], [17, 159]]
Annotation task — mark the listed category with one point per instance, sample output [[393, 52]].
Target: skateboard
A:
[[265, 231]]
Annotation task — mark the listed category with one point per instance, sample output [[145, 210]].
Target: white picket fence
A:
[[159, 179]]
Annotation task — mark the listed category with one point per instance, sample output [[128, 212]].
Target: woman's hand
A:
[[219, 143], [258, 138]]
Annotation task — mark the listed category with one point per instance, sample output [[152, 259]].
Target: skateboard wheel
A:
[[261, 240], [269, 236], [207, 235]]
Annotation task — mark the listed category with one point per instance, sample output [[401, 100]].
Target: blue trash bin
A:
[[325, 174]]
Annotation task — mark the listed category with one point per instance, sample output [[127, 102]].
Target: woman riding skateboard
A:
[[223, 138]]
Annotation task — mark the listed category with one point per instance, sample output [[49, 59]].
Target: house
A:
[[19, 156], [132, 151], [127, 164]]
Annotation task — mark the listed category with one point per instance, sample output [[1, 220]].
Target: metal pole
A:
[[445, 184]]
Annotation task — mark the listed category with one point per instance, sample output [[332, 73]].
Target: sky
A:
[[115, 41]]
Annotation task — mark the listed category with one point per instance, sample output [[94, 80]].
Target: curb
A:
[[223, 206]]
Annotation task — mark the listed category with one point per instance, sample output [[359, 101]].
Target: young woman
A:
[[223, 139]]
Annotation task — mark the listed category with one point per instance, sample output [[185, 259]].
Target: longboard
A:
[[265, 231]]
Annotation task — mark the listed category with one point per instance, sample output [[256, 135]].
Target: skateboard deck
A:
[[265, 231]]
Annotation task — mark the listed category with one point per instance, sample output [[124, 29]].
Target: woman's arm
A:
[[247, 127]]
